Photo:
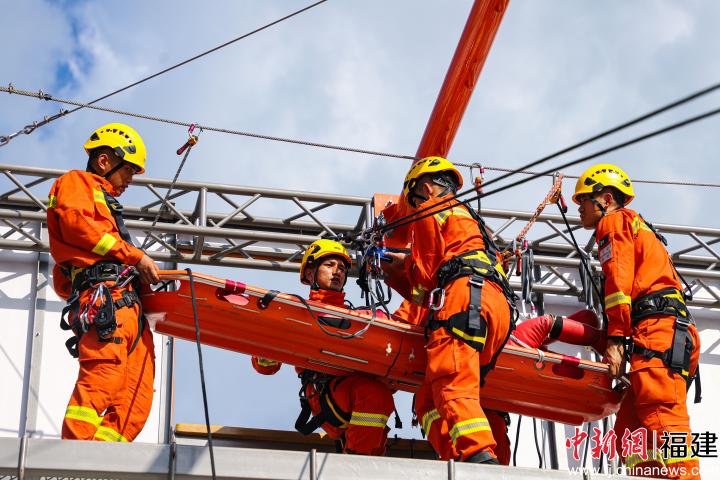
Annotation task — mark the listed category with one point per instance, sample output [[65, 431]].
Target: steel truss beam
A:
[[228, 225]]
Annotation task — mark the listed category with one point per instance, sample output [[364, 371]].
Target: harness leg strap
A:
[[475, 307]]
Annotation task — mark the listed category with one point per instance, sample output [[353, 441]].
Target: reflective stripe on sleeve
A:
[[105, 244], [617, 298], [265, 362], [99, 197]]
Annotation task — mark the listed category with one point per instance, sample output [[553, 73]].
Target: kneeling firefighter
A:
[[352, 409], [648, 324], [97, 269], [471, 311]]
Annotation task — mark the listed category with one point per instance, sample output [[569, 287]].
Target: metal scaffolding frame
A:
[[56, 459], [228, 225]]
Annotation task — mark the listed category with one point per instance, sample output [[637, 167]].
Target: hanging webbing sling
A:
[[329, 411]]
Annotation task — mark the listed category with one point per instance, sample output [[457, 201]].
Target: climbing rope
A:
[[186, 148], [28, 129], [202, 370], [553, 196]]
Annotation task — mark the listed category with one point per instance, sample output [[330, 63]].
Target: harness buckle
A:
[[433, 303]]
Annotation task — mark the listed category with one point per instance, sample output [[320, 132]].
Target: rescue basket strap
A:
[[264, 302]]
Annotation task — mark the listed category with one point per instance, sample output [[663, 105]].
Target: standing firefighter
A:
[[94, 253], [645, 305], [470, 321], [352, 409]]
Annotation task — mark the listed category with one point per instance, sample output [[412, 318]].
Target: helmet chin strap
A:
[[603, 210], [114, 169], [412, 196]]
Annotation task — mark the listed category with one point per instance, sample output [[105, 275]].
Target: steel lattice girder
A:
[[228, 225]]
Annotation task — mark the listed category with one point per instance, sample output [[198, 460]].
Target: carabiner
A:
[[432, 300]]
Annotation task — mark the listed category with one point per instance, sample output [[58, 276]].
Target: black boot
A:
[[482, 457]]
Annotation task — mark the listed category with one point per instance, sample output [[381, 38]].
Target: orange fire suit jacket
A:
[[436, 240], [635, 263], [81, 227]]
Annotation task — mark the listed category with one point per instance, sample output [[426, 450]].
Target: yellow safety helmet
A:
[[126, 142], [604, 175], [320, 249], [429, 165]]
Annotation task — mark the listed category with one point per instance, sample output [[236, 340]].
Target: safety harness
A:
[[319, 384], [470, 326], [671, 302], [100, 310]]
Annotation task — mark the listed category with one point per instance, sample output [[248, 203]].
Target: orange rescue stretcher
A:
[[307, 334]]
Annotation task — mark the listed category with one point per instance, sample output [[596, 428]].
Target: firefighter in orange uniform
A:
[[645, 306], [471, 317], [408, 312], [92, 251], [353, 409]]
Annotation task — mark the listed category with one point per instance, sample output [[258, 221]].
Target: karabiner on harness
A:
[[99, 311], [470, 326]]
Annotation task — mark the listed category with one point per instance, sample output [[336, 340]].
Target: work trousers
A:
[[113, 393], [448, 402], [369, 402], [657, 402]]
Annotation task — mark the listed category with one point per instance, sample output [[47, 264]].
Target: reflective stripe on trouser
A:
[[657, 399], [437, 433], [113, 392], [370, 403], [453, 372], [468, 427], [365, 419]]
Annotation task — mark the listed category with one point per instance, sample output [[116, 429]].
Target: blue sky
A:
[[362, 74]]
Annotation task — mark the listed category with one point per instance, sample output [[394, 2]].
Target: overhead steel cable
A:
[[30, 128], [45, 96], [629, 123], [432, 210], [622, 126], [635, 180]]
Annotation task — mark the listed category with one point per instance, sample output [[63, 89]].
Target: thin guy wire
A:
[[432, 210], [30, 128], [531, 172]]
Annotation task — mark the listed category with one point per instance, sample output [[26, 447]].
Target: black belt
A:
[[668, 301], [102, 271]]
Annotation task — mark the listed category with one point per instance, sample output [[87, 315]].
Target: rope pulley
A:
[[192, 139]]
